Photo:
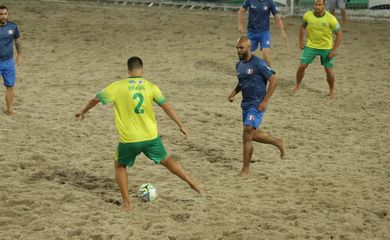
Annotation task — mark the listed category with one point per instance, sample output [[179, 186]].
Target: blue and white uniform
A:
[[258, 22], [8, 33], [253, 76]]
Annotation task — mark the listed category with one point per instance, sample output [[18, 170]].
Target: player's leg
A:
[[253, 38], [125, 156], [307, 57], [9, 75], [9, 99], [343, 13], [155, 151], [331, 6], [331, 80], [265, 46], [176, 169], [263, 137], [122, 181], [328, 67], [266, 54], [299, 76], [247, 138]]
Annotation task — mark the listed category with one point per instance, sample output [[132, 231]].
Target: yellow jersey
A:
[[133, 106], [320, 30]]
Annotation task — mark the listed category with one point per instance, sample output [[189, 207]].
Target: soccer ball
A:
[[147, 192]]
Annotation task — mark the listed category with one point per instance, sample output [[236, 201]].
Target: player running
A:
[[253, 75]]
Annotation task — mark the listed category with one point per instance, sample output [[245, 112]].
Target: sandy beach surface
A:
[[57, 175]]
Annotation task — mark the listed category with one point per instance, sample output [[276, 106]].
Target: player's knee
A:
[[247, 134]]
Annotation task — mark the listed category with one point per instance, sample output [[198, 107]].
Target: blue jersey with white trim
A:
[[252, 77], [8, 33], [259, 13]]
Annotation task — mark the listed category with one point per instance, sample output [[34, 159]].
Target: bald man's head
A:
[[244, 48], [244, 41]]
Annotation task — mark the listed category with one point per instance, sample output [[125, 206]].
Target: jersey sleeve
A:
[[334, 24], [266, 71], [108, 94], [274, 10], [305, 19], [246, 4], [17, 33], [158, 97]]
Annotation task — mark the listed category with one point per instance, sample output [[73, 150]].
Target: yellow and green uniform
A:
[[320, 30], [134, 118], [133, 105]]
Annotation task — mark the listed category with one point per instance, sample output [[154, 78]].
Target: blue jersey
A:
[[8, 33], [252, 79], [259, 13]]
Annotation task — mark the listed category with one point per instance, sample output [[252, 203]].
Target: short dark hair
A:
[[134, 63], [2, 7]]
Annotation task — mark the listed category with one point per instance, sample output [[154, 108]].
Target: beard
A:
[[243, 56]]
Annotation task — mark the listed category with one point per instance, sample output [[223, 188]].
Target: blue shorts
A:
[[7, 72], [252, 117], [264, 38]]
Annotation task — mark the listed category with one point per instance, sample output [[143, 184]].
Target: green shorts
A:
[[153, 149], [309, 54]]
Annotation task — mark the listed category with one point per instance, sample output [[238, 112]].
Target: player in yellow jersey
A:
[[136, 125], [320, 26]]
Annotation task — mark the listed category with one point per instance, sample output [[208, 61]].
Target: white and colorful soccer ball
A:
[[147, 192]]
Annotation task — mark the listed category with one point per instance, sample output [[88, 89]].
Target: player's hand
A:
[[284, 36], [241, 29], [332, 53], [79, 116], [302, 46], [184, 130], [263, 105], [19, 59], [230, 98]]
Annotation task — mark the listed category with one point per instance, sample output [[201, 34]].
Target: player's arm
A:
[[18, 46], [81, 114], [273, 82], [302, 31], [234, 93], [280, 25], [241, 14], [337, 42], [172, 114]]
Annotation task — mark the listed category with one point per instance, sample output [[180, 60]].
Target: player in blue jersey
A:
[[253, 77], [9, 33], [258, 24]]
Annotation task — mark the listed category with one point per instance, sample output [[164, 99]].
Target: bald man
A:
[[253, 76]]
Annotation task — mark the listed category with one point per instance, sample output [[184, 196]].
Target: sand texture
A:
[[57, 175]]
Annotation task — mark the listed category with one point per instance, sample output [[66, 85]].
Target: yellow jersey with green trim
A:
[[320, 30], [133, 107]]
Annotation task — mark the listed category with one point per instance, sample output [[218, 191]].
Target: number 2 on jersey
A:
[[140, 97]]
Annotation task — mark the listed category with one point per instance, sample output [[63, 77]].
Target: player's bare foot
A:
[[296, 89], [280, 144], [127, 206], [9, 113], [332, 94], [243, 173], [199, 188]]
